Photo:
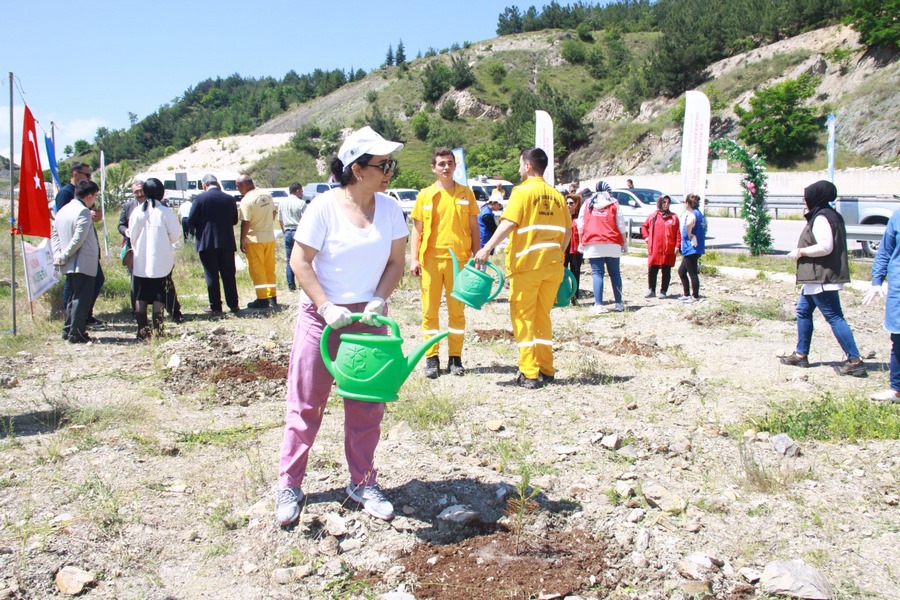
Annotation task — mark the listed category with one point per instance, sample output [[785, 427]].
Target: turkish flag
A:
[[34, 213]]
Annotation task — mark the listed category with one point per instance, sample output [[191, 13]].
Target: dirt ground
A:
[[153, 466]]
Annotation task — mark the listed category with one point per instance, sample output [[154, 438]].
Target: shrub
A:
[[462, 74], [449, 111], [584, 32], [496, 72], [435, 81], [420, 125], [876, 21], [573, 52]]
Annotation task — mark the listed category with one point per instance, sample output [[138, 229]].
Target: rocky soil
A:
[[149, 470]]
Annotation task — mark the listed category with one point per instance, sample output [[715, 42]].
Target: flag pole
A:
[[12, 204]]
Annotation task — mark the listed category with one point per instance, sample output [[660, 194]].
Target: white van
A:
[[484, 187]]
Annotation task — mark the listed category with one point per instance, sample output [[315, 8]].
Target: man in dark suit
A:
[[213, 217]]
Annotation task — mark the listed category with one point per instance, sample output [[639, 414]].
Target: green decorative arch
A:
[[753, 208]]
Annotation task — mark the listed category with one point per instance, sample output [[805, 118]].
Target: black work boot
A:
[[432, 367], [454, 365]]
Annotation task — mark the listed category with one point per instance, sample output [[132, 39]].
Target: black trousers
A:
[[690, 268], [218, 263], [79, 306], [666, 278]]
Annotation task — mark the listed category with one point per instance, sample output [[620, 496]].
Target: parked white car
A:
[[405, 197], [639, 203]]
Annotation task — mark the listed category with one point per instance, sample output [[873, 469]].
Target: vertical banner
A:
[[39, 270], [103, 201], [695, 145], [830, 148], [543, 139], [34, 213], [51, 158], [460, 175]]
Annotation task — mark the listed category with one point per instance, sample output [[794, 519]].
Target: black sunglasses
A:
[[386, 167]]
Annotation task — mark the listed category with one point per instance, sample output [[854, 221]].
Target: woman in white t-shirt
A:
[[349, 256]]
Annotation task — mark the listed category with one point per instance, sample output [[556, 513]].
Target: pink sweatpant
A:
[[308, 386]]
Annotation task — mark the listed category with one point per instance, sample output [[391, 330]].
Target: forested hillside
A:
[[581, 62]]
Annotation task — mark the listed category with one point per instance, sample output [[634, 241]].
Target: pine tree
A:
[[389, 59], [400, 56]]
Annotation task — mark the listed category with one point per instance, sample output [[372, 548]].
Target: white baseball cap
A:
[[365, 141]]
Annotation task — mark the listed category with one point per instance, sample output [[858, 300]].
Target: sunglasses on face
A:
[[83, 174], [386, 167]]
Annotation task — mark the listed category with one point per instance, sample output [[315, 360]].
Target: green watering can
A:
[[369, 366], [567, 288], [471, 286]]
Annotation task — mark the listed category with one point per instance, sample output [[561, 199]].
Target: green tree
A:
[[68, 150], [509, 21], [435, 80], [778, 123], [496, 71], [408, 179], [420, 125], [400, 56], [389, 57], [573, 52], [81, 147], [876, 21], [118, 183], [584, 32], [384, 124], [449, 110], [462, 76]]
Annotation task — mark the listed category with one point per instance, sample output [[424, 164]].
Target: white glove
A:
[[694, 242], [873, 292], [374, 309], [794, 254], [336, 316]]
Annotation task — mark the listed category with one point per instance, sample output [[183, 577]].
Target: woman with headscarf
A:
[[603, 242], [662, 232], [822, 271], [154, 232]]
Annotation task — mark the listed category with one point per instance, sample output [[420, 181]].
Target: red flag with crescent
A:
[[34, 213]]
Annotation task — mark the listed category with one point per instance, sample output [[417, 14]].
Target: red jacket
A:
[[663, 235], [600, 225]]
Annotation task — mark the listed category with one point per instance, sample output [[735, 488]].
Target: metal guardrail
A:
[[733, 202]]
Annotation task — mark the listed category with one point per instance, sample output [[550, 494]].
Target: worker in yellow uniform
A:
[[445, 216], [540, 226]]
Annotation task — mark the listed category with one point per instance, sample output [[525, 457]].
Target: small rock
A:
[[642, 540], [61, 520], [408, 510], [400, 431], [335, 525], [174, 362], [192, 535], [628, 451], [8, 381], [329, 546], [751, 575], [332, 568], [749, 435], [6, 550], [270, 345], [698, 590], [458, 513], [68, 451], [624, 489], [177, 487], [250, 568], [636, 515], [611, 441], [283, 576], [432, 561], [795, 578], [890, 499], [397, 596], [682, 446], [351, 544], [632, 406], [565, 450], [659, 497], [494, 425], [696, 566], [167, 448], [220, 330], [785, 445], [692, 526], [72, 580]]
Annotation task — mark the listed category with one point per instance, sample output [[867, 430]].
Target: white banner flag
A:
[[39, 270], [543, 139], [695, 145]]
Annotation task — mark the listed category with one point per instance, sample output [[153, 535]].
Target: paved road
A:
[[728, 234]]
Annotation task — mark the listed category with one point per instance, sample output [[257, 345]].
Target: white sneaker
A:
[[682, 298], [649, 294], [620, 307], [886, 396], [689, 300], [661, 296], [596, 309], [287, 505], [372, 500]]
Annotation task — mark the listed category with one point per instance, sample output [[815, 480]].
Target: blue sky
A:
[[84, 65]]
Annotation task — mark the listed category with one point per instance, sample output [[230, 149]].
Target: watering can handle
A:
[[499, 278], [326, 333]]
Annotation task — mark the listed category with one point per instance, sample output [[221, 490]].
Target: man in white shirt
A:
[[184, 211], [290, 210]]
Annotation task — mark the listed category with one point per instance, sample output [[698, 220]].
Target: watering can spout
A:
[[416, 355], [455, 263]]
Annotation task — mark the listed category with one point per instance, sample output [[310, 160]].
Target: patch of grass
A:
[[511, 451], [102, 504], [230, 436], [736, 82], [225, 518], [219, 549], [425, 407], [730, 312], [831, 419]]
